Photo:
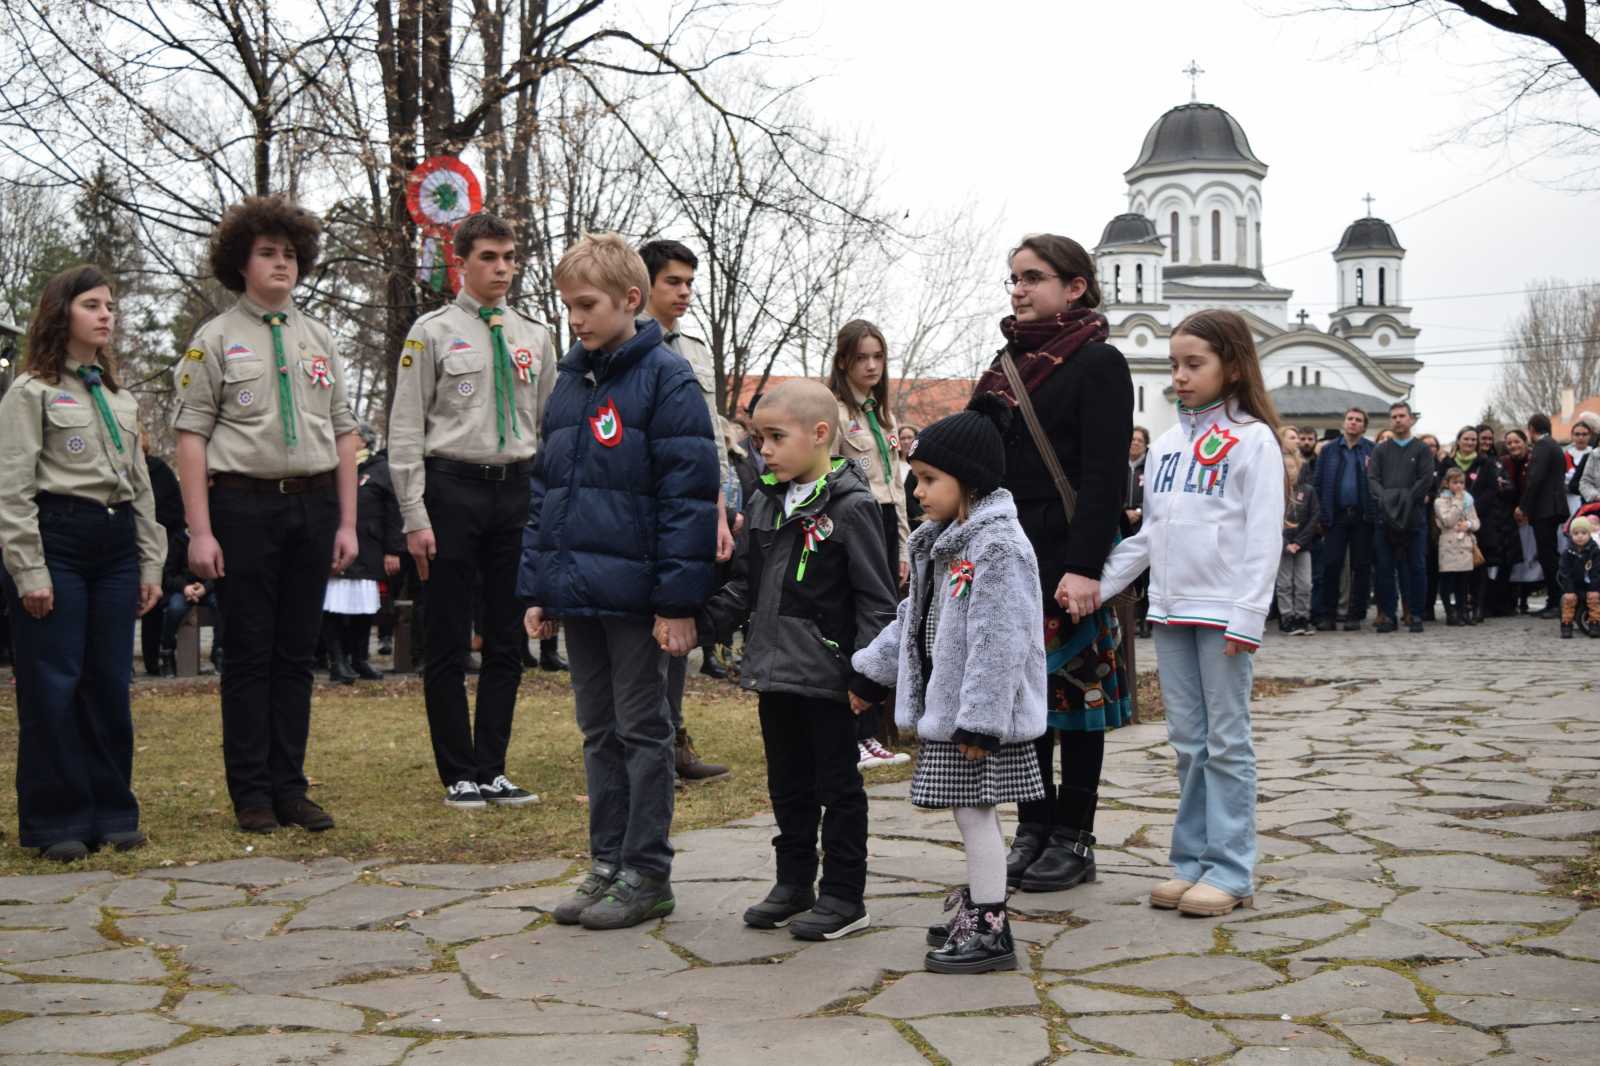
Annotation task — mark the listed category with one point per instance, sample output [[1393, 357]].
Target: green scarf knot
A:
[[90, 376]]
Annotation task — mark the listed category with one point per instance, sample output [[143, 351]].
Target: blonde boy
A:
[[619, 547]]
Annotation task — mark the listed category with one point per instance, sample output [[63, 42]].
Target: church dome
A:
[[1368, 235], [1194, 134], [1129, 228]]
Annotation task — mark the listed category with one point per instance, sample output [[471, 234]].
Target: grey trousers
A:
[[619, 677], [1294, 584], [677, 678]]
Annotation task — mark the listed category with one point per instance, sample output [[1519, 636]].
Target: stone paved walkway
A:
[[1410, 812]]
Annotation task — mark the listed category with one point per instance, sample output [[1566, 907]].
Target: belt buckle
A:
[[499, 473], [284, 484]]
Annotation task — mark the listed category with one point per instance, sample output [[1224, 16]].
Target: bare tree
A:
[[1547, 82], [34, 230], [1554, 345]]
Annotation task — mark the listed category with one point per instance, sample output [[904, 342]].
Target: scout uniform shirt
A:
[[233, 384], [698, 356], [858, 443], [445, 398], [55, 438]]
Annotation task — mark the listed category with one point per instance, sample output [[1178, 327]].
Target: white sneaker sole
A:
[[516, 801], [854, 927], [870, 764], [465, 805]]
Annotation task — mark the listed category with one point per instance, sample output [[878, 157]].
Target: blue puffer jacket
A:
[[1328, 479], [622, 512]]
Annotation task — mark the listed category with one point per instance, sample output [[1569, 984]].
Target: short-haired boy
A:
[[1580, 577], [621, 534], [813, 586]]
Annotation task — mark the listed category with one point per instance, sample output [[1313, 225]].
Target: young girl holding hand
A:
[[1212, 535], [965, 655]]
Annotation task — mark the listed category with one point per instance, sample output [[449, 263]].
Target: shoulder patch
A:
[[197, 354], [414, 344], [183, 382], [406, 360]]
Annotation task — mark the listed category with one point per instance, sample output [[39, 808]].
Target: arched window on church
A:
[[1216, 236], [1141, 399], [1138, 283], [1361, 287], [1116, 284], [1174, 240], [1382, 289]]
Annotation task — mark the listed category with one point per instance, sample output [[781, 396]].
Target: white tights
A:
[[986, 853]]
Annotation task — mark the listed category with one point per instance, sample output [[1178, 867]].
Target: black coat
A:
[[378, 528], [1086, 408], [1496, 526], [1544, 494]]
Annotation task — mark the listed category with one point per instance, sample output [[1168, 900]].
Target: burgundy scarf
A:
[[1040, 347]]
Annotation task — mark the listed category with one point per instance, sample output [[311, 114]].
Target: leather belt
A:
[[286, 486], [479, 471]]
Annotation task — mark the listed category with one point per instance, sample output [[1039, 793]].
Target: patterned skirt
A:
[[1087, 681], [946, 778]]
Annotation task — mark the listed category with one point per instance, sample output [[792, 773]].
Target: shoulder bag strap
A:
[[1047, 451]]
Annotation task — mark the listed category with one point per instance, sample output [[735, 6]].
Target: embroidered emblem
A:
[[996, 922], [459, 344], [960, 581], [522, 359], [1213, 444], [405, 360], [236, 351], [855, 426], [413, 344], [64, 399], [466, 388], [76, 444], [607, 424], [246, 397], [183, 382], [197, 354], [318, 370]]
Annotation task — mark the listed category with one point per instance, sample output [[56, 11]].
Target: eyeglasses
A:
[[1026, 280]]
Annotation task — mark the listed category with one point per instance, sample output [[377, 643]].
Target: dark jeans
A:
[[619, 677], [176, 609], [478, 527], [677, 679], [813, 781], [1406, 562], [1544, 544], [277, 551], [73, 669], [1350, 531], [1071, 805], [1462, 590]]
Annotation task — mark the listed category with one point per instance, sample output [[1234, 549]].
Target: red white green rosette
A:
[[960, 580]]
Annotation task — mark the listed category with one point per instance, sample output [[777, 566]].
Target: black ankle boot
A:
[[1026, 847], [169, 663], [1068, 860], [339, 671], [1450, 617], [980, 941], [364, 670]]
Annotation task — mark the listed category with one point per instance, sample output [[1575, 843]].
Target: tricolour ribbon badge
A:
[[522, 360], [318, 370], [813, 531], [960, 582]]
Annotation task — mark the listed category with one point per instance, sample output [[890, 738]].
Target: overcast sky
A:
[[1034, 109]]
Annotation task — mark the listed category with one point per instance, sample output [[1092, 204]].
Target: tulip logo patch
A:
[[607, 424], [1213, 444]]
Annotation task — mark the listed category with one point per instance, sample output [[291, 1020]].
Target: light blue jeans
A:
[[1207, 698]]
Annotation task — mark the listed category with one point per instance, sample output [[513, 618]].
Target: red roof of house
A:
[[1561, 428], [918, 401]]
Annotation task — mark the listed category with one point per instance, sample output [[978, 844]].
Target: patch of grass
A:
[[1151, 709], [1581, 877], [372, 767]]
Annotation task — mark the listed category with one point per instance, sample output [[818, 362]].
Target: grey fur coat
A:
[[988, 670]]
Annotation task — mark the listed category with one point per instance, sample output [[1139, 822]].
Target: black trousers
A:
[[151, 627], [276, 555], [813, 782], [1544, 543], [1350, 531], [1072, 804], [73, 669], [478, 527]]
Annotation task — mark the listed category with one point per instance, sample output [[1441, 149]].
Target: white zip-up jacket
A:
[[1213, 524]]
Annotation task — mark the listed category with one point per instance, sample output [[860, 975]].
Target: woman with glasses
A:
[[1083, 394]]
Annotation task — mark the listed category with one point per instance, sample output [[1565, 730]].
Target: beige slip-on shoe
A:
[[1208, 901], [1167, 894]]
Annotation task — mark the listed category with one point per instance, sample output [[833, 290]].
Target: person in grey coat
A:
[[965, 655]]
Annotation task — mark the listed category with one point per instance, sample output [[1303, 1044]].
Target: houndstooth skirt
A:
[[946, 778]]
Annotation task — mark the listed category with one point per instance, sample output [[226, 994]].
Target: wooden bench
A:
[[188, 650]]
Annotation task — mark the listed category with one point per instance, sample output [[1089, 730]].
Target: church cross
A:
[[1368, 198], [1193, 71], [1302, 316]]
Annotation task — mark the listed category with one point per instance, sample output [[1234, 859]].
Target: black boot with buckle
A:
[[1067, 861], [1026, 847]]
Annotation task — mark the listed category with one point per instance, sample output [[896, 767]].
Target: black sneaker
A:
[[1416, 625], [1327, 625], [1566, 630], [65, 851], [830, 919], [1384, 626], [590, 889], [464, 796], [632, 898], [1354, 626], [782, 905], [502, 793]]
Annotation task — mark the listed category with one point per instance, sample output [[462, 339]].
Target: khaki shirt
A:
[[698, 356], [53, 439], [444, 397], [856, 443], [228, 394]]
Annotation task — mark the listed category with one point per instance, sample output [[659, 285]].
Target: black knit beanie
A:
[[970, 445]]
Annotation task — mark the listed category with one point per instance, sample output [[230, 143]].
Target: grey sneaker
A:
[[593, 886], [633, 897]]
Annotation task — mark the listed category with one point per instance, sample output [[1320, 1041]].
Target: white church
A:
[[1191, 239]]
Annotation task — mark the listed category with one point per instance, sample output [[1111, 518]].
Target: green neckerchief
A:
[[90, 375], [870, 406], [1465, 461], [505, 395], [276, 319]]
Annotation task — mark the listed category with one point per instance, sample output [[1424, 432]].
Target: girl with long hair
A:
[[83, 558]]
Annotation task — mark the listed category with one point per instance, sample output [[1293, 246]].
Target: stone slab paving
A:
[[1411, 817]]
